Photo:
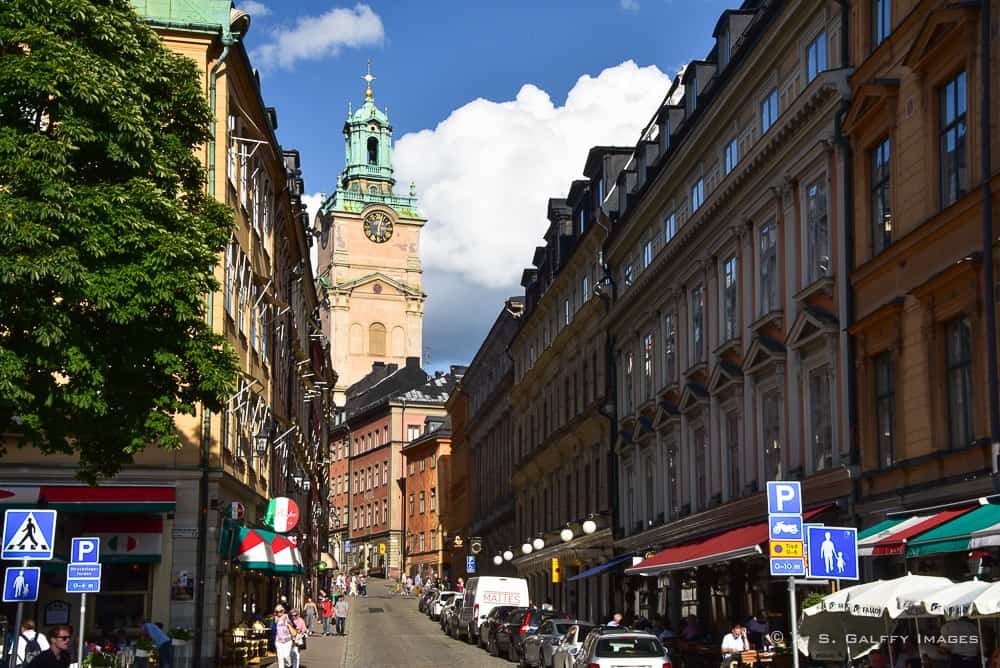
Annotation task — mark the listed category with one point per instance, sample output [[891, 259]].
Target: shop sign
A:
[[185, 532], [282, 514], [237, 510]]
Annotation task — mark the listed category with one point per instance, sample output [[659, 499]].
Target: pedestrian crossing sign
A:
[[28, 534]]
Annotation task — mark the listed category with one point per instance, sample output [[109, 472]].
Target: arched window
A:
[[372, 151], [376, 339]]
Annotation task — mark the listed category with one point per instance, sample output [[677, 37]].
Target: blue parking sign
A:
[[784, 497], [85, 551], [833, 552], [20, 584], [28, 534], [470, 563]]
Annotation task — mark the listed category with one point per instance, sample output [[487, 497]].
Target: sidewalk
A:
[[324, 652]]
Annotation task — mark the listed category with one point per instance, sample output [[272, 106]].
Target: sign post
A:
[[785, 535], [27, 535], [83, 574]]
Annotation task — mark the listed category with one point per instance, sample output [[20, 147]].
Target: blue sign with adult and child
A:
[[833, 552]]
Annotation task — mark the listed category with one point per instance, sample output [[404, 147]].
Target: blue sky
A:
[[477, 94]]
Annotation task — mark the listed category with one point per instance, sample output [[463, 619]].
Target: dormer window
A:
[[725, 48], [692, 95], [372, 151], [665, 132]]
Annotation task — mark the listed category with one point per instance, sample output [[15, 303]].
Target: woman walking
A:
[[310, 611], [284, 632], [325, 610]]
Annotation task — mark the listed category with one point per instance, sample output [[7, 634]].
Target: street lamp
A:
[[589, 525], [261, 441], [526, 548], [566, 534], [307, 485], [497, 560], [538, 543], [508, 555]]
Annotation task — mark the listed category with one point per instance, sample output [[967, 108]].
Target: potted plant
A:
[[180, 636], [144, 647]]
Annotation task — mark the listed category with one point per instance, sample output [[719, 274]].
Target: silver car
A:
[[607, 648], [437, 604], [540, 647]]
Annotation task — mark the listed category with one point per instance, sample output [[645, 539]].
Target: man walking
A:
[[30, 643], [57, 655], [342, 608]]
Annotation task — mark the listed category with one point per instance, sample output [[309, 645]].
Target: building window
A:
[[700, 468], [376, 477], [423, 503], [423, 464], [385, 511], [669, 228], [376, 339], [697, 194], [412, 432], [585, 289], [413, 468], [669, 348], [629, 275], [411, 504], [885, 409], [650, 471], [733, 451], [629, 375], [434, 460], [816, 56], [818, 231], [958, 338], [368, 515], [692, 93], [567, 312], [732, 154], [881, 21], [769, 110], [385, 472], [647, 253], [954, 170], [648, 351], [422, 541], [771, 428], [673, 482], [881, 197], [729, 298], [698, 325], [768, 267], [582, 221], [433, 499], [820, 418]]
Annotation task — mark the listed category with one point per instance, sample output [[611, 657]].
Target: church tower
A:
[[369, 255]]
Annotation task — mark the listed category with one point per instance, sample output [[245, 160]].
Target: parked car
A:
[[482, 593], [447, 612], [489, 626], [517, 626], [604, 648], [439, 601], [424, 597], [564, 653], [539, 647]]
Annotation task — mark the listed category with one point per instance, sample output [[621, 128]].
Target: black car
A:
[[424, 598], [488, 629], [511, 633]]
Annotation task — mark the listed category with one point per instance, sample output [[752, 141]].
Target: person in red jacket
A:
[[325, 610]]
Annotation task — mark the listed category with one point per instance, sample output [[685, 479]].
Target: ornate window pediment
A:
[[943, 27]]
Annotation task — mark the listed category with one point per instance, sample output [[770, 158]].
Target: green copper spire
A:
[[368, 175]]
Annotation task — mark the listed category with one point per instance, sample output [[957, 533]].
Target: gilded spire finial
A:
[[368, 81]]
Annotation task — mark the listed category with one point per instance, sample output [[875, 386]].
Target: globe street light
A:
[[566, 535], [526, 548], [497, 560], [589, 526], [538, 543], [508, 555]]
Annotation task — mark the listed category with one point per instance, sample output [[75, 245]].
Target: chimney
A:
[[412, 362], [377, 365], [391, 368]]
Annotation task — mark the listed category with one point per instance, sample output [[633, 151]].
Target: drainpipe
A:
[[206, 426], [989, 289]]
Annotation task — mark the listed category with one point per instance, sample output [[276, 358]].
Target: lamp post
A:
[[261, 442]]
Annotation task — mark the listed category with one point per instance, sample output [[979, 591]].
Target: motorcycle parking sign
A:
[[785, 527]]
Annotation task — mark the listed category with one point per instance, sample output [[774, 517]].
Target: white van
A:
[[482, 594]]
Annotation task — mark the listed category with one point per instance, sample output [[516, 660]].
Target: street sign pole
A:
[[79, 629], [18, 617], [794, 622]]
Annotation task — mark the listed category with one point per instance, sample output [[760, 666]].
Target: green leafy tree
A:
[[108, 240]]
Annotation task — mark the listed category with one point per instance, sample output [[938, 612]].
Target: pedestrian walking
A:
[[30, 643], [57, 655], [326, 611], [460, 587], [283, 633], [342, 609], [299, 640], [363, 585], [354, 585], [311, 612]]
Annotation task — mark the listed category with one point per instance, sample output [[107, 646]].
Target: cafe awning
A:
[[617, 562], [262, 550], [892, 539], [85, 499], [957, 535], [736, 543]]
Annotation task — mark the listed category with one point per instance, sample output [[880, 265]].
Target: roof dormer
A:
[[696, 79], [728, 33]]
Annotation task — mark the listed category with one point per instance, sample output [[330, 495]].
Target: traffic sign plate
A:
[[83, 586], [784, 497], [784, 527], [28, 534], [788, 566], [470, 563], [89, 571], [833, 552], [85, 551], [786, 548], [20, 583]]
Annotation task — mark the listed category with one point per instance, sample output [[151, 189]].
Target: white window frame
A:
[[769, 110], [816, 56], [697, 194]]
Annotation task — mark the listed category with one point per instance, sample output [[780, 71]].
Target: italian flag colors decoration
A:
[[282, 514], [127, 540]]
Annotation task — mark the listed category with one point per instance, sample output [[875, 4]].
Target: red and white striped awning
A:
[[82, 498], [892, 540]]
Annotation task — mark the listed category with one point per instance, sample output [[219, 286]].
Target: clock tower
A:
[[369, 255]]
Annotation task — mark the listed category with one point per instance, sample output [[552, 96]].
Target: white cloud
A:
[[316, 37], [484, 175], [254, 8], [630, 5]]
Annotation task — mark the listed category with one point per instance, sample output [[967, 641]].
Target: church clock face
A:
[[378, 227]]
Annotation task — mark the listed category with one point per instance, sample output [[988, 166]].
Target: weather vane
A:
[[368, 80]]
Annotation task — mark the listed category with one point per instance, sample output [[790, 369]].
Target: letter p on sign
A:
[[85, 551], [784, 497]]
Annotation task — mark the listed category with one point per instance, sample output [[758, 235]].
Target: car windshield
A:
[[628, 647], [448, 596], [560, 627]]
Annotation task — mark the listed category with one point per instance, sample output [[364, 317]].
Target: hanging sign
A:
[[282, 514]]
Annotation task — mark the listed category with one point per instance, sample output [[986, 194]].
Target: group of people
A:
[[329, 609], [33, 649], [418, 582]]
